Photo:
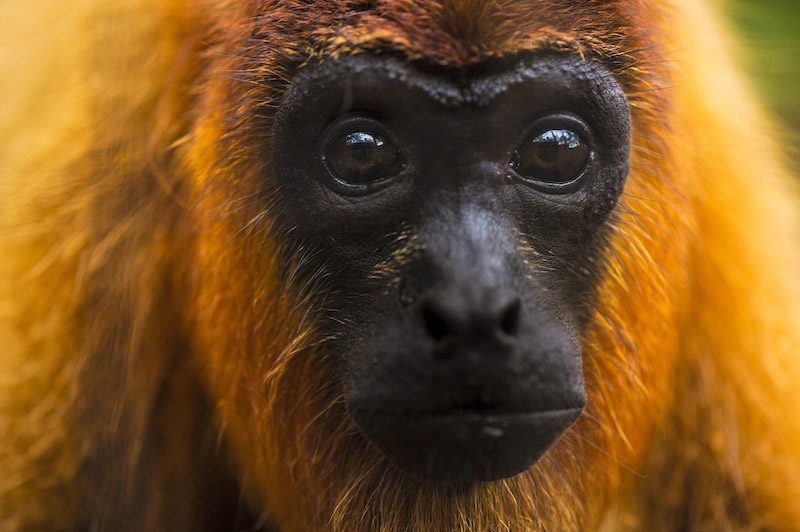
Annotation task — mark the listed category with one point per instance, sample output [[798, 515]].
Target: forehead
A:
[[456, 32]]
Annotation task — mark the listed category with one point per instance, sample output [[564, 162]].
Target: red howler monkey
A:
[[391, 265]]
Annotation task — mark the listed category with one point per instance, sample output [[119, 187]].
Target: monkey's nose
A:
[[471, 318]]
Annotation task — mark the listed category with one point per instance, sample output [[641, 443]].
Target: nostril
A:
[[435, 323], [509, 321]]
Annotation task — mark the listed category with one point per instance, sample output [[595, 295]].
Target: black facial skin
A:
[[460, 218]]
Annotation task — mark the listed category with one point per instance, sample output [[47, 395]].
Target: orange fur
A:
[[157, 359]]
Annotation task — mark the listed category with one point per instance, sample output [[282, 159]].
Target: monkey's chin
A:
[[464, 446]]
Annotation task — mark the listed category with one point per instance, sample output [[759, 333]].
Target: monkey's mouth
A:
[[467, 443]]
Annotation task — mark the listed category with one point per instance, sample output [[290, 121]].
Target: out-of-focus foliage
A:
[[769, 32]]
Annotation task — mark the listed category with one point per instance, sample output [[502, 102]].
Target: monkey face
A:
[[459, 220]]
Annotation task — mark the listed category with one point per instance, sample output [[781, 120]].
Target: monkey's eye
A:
[[362, 157], [555, 157]]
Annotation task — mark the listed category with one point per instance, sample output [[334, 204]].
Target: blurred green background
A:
[[769, 35]]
